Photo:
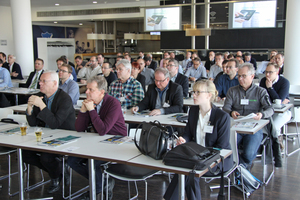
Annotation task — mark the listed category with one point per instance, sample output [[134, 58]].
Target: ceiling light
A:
[[95, 2], [80, 24], [105, 1], [137, 0], [57, 4], [55, 22]]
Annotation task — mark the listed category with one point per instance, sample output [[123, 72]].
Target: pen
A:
[[47, 137]]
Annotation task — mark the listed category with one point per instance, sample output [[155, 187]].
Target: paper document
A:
[[250, 116]]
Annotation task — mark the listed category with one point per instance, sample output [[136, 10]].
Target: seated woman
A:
[[136, 74], [201, 115]]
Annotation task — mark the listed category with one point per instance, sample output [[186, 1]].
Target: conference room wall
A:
[[6, 31]]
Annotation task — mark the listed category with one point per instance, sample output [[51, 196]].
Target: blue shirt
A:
[[214, 70], [71, 88], [224, 83], [74, 74], [49, 100], [196, 73], [5, 80]]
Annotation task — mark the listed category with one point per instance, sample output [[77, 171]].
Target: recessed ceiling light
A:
[[137, 0], [57, 4], [105, 1], [80, 24], [55, 22], [95, 2]]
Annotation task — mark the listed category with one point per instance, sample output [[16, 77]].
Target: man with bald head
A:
[[52, 108]]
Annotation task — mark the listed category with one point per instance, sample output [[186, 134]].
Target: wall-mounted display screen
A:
[[162, 19], [257, 14]]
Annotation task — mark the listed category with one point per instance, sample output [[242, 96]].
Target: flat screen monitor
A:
[[256, 14], [162, 19]]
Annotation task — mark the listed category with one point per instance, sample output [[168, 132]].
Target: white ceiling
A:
[[47, 3]]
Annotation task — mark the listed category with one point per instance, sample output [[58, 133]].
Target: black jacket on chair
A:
[[174, 98]]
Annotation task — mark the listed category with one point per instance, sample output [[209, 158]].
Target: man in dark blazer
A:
[[34, 77], [162, 97], [178, 78], [249, 59], [150, 63], [52, 108], [15, 72]]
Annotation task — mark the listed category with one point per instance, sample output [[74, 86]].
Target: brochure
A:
[[245, 125], [60, 141], [117, 139]]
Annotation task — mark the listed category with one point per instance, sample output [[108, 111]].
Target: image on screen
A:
[[257, 14], [162, 19]]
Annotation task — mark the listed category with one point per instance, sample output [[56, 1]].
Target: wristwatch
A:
[[270, 88]]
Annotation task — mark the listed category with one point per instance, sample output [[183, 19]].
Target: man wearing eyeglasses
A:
[[68, 85], [242, 100], [229, 79], [162, 97], [178, 78], [196, 71], [147, 72], [52, 108], [108, 74]]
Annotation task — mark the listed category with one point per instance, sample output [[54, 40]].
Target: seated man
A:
[[224, 65], [147, 72], [279, 59], [278, 88], [14, 68], [244, 99], [5, 80], [187, 59], [165, 63], [79, 64], [68, 85], [190, 63], [177, 77], [126, 89], [163, 97], [91, 69], [210, 61], [34, 77], [196, 71], [217, 67], [149, 62], [65, 60], [52, 108], [104, 113], [108, 74], [248, 59], [229, 79]]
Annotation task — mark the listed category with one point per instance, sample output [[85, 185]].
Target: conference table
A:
[[82, 148], [17, 91]]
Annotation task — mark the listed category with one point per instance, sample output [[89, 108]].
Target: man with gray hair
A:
[[126, 89], [14, 68], [104, 114], [244, 99], [162, 97], [52, 108]]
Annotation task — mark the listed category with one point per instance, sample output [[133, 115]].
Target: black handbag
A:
[[153, 140], [192, 156]]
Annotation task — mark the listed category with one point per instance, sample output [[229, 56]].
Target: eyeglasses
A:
[[63, 71], [160, 81], [269, 72], [231, 67], [170, 65], [243, 76], [197, 93], [105, 68], [44, 81]]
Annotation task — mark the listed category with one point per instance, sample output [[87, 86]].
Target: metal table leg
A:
[[20, 167], [181, 182], [92, 180]]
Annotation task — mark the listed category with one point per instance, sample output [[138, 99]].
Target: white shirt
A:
[[202, 122], [88, 72]]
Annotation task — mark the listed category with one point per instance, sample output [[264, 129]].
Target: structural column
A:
[[22, 32], [193, 23], [292, 43]]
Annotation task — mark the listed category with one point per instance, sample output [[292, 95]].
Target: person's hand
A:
[[258, 116], [134, 109], [14, 74], [192, 79], [155, 112], [268, 82], [235, 114], [286, 101], [239, 20], [83, 81], [218, 99], [89, 104], [180, 140], [211, 79], [36, 101]]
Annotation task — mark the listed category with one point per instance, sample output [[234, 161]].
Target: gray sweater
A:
[[257, 101]]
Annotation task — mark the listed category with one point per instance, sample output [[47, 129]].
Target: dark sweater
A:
[[110, 78], [280, 88]]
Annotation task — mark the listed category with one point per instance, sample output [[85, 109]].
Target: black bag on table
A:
[[196, 157], [153, 140]]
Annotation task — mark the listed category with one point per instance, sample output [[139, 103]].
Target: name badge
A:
[[244, 101], [208, 129], [122, 99], [166, 105]]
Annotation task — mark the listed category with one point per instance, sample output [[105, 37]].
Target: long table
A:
[[90, 147]]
